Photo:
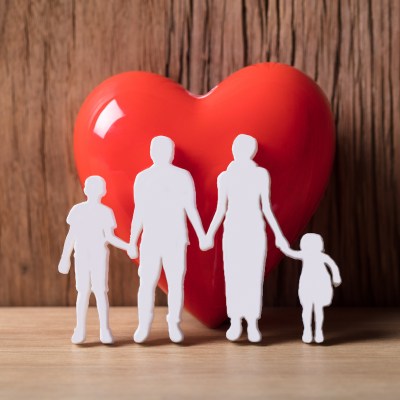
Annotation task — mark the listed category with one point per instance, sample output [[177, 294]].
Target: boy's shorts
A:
[[91, 271]]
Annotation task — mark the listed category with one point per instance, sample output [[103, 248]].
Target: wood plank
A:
[[360, 359], [52, 54]]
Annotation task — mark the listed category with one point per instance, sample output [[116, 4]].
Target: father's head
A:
[[162, 150]]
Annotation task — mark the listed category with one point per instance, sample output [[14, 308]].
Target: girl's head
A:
[[312, 242]]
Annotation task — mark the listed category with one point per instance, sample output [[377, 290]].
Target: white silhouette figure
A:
[[244, 201], [91, 229], [164, 195], [315, 286]]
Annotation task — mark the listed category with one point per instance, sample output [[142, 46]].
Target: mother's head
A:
[[244, 147]]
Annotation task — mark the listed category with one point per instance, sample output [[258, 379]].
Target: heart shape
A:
[[278, 105]]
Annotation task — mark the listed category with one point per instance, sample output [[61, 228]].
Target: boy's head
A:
[[244, 147], [312, 242], [95, 187], [162, 150]]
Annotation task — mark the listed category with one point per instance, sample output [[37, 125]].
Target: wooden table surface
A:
[[360, 359]]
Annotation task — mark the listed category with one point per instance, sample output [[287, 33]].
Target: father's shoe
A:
[[235, 330], [142, 333], [175, 332], [79, 335], [106, 336]]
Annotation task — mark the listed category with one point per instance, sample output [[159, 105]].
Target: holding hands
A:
[[207, 241], [132, 250], [282, 244]]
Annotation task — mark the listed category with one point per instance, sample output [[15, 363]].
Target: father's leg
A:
[[149, 273], [174, 262]]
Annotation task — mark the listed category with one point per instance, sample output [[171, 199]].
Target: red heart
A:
[[281, 107]]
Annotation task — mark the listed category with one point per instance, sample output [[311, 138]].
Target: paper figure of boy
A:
[[164, 196], [315, 286], [92, 227], [244, 204]]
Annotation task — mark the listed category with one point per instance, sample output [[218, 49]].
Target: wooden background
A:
[[53, 53]]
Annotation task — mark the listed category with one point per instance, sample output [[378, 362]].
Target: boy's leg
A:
[[174, 262], [307, 319], [99, 279], [149, 273], [319, 320], [102, 309], [82, 277]]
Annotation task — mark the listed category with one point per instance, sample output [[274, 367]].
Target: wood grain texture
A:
[[360, 359], [53, 53]]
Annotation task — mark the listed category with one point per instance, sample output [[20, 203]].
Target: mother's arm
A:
[[280, 239], [220, 212]]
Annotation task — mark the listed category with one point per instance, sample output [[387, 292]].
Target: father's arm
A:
[[280, 239], [137, 221], [191, 208]]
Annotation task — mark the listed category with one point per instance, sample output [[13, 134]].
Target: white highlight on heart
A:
[[109, 115]]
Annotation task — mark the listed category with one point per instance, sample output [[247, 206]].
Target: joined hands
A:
[[282, 244], [133, 251], [206, 242]]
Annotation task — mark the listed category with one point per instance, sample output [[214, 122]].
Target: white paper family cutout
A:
[[165, 198]]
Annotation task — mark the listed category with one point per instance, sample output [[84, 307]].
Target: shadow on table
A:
[[341, 326], [279, 326]]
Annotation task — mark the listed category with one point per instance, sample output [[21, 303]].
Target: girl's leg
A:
[[319, 320], [307, 318]]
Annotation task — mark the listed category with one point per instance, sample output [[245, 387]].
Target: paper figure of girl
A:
[[91, 229], [244, 202], [315, 286]]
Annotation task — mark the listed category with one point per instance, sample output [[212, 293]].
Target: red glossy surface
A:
[[281, 107]]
